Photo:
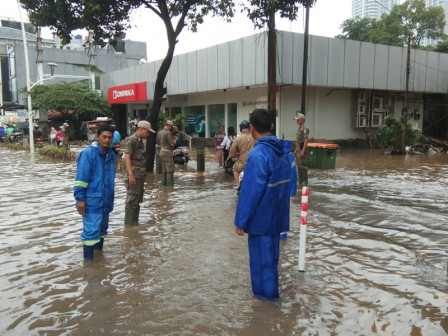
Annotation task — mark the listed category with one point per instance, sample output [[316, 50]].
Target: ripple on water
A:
[[375, 262]]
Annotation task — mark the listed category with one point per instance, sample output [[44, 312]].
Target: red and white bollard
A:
[[303, 222]]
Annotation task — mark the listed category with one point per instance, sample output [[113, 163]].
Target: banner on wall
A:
[[195, 125], [128, 93]]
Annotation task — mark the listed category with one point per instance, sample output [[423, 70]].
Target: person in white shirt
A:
[[227, 142]]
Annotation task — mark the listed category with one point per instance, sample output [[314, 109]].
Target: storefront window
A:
[[216, 114], [175, 111], [195, 120], [231, 116]]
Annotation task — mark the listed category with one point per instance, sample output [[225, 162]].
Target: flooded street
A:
[[376, 261]]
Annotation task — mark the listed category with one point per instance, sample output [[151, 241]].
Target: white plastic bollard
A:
[[303, 222]]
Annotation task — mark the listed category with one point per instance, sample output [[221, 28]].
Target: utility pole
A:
[[1, 88], [305, 60], [406, 96], [28, 84], [39, 50], [91, 60], [272, 56]]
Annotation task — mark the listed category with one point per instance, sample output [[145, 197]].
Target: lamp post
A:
[[30, 86]]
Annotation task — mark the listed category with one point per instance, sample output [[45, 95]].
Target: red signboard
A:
[[127, 93]]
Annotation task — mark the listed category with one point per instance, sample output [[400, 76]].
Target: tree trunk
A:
[[159, 91]]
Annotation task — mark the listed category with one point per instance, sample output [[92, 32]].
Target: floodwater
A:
[[376, 261]]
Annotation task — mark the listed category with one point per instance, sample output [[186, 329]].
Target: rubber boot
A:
[[88, 252], [136, 215], [128, 216], [99, 246], [305, 177], [170, 180], [131, 216], [300, 176], [164, 179]]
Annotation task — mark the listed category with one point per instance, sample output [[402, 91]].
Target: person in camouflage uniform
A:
[[166, 142], [135, 172], [300, 152]]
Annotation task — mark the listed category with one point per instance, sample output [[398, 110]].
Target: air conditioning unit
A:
[[377, 102], [361, 109], [377, 119], [362, 122]]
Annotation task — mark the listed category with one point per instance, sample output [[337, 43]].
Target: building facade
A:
[[71, 60], [352, 85], [372, 8]]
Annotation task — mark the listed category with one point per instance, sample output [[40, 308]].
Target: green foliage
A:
[[411, 18], [109, 19], [52, 151], [442, 46], [178, 121], [391, 134], [65, 97], [55, 152], [18, 145], [258, 11], [358, 29]]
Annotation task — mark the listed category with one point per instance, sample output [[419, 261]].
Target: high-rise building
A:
[[375, 8], [372, 8], [444, 5]]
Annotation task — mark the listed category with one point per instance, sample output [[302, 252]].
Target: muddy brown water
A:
[[376, 261]]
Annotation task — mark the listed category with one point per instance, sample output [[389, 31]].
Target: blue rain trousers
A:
[[95, 226], [264, 253]]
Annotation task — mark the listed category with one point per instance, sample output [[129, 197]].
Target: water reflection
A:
[[376, 255]]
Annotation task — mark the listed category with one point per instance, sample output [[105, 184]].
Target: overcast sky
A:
[[325, 20]]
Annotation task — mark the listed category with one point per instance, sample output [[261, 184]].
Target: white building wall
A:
[[332, 63], [328, 114], [236, 72]]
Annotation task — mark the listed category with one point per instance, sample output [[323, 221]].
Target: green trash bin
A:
[[321, 155]]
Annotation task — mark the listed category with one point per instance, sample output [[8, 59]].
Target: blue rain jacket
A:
[[293, 185], [95, 178], [263, 203], [116, 139]]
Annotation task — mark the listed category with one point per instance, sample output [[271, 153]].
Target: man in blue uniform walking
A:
[[263, 204], [94, 189]]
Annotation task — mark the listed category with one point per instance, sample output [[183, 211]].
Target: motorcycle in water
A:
[[117, 150], [181, 155], [228, 167], [16, 136], [39, 142]]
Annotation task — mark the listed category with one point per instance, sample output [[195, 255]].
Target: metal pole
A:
[[28, 84], [200, 157], [303, 226], [406, 94], [272, 80], [305, 61], [91, 60], [1, 88], [40, 65]]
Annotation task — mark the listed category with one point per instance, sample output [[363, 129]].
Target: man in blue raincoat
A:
[[94, 189], [263, 204]]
